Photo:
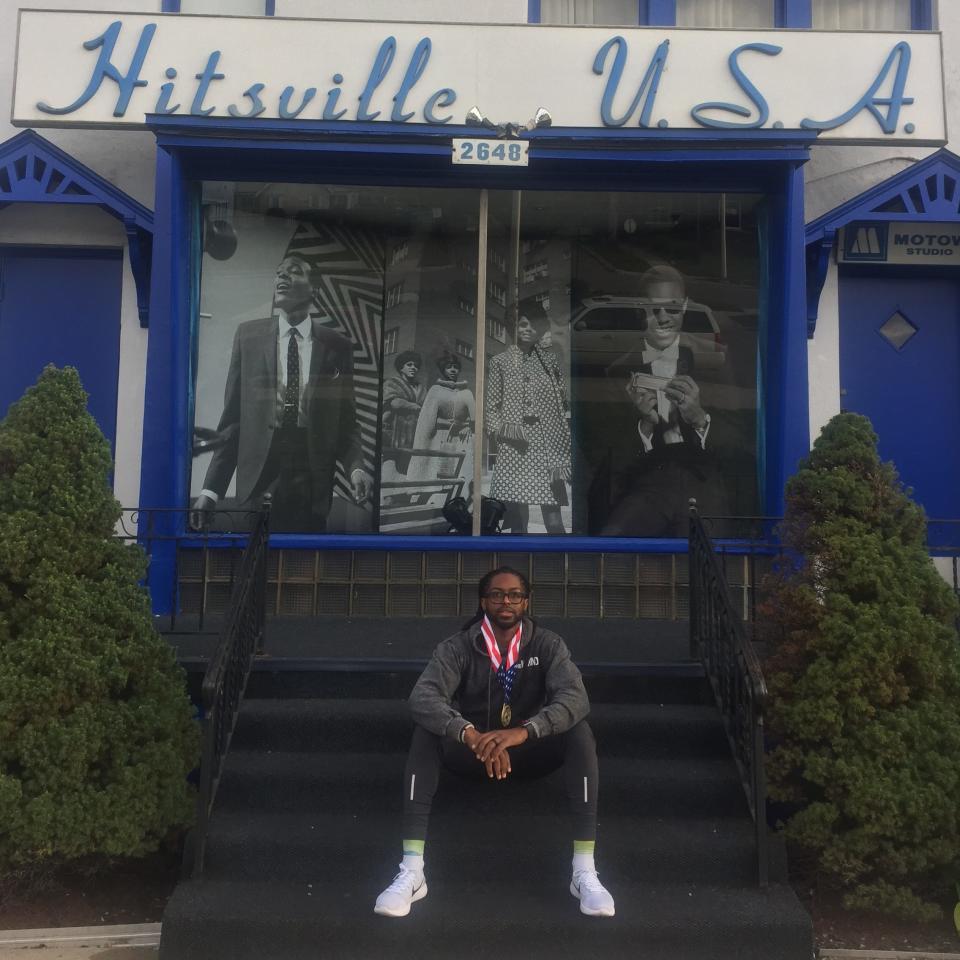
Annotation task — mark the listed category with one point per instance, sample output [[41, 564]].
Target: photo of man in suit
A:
[[666, 454], [288, 413]]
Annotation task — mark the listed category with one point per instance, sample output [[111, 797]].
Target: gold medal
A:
[[505, 715]]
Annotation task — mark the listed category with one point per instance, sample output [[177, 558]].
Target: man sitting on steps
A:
[[501, 697]]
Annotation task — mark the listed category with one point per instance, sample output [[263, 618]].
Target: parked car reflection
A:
[[606, 327]]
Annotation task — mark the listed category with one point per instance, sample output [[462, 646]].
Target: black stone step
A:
[[384, 726], [290, 782], [414, 638], [344, 678], [305, 847], [531, 916]]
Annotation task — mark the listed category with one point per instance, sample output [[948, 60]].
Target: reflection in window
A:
[[861, 14], [534, 270], [390, 340], [497, 329], [394, 294], [465, 349], [725, 13], [604, 12]]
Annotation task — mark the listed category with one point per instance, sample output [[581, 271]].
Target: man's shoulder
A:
[[544, 636], [259, 326], [454, 651], [462, 639], [331, 338]]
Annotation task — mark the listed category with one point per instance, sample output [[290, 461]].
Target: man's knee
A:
[[580, 746]]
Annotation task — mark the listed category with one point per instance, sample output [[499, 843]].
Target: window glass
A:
[[628, 381], [245, 8], [602, 12], [861, 14], [337, 361], [725, 13], [375, 429]]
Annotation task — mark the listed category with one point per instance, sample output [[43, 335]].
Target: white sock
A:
[[583, 861], [414, 862]]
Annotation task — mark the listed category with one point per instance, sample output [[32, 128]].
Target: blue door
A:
[[900, 366], [61, 306]]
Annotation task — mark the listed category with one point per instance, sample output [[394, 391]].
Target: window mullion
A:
[[480, 360]]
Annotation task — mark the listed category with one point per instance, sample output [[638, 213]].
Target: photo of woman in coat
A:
[[402, 401], [445, 426], [526, 413]]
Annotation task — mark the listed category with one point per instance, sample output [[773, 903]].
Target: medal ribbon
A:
[[493, 651], [505, 668]]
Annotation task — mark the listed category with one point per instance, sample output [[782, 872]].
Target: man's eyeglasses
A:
[[672, 308], [509, 596]]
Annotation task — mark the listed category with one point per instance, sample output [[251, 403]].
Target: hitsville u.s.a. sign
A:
[[103, 69]]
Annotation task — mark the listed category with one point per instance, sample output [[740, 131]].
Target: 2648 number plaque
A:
[[486, 152]]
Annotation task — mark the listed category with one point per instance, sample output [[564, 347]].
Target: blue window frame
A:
[[797, 14], [190, 152], [173, 6]]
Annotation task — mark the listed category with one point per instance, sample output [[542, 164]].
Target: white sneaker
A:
[[406, 887], [595, 899]]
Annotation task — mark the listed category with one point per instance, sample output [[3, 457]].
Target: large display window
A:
[[372, 356]]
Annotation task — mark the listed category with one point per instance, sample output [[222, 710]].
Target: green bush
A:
[[864, 678], [96, 730]]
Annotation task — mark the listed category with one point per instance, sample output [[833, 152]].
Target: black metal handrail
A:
[[228, 670], [718, 639], [169, 531]]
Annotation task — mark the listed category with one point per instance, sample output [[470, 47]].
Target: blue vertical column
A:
[[659, 13], [163, 476], [794, 13], [786, 387]]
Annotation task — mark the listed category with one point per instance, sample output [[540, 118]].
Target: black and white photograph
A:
[[287, 374], [428, 410], [663, 373]]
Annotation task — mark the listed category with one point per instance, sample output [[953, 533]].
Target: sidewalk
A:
[[128, 942], [141, 942]]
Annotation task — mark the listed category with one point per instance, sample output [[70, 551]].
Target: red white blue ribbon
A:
[[493, 651]]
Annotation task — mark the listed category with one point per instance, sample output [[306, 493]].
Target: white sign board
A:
[[102, 69], [915, 244]]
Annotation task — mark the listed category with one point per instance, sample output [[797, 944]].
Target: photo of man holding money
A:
[[665, 454]]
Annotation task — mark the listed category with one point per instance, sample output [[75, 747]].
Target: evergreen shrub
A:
[[864, 680], [97, 735]]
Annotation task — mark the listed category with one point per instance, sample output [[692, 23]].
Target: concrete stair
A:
[[305, 834]]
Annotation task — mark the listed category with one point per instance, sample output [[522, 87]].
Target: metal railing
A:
[[719, 640], [226, 676], [166, 535]]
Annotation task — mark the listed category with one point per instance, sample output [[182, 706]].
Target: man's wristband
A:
[[464, 729]]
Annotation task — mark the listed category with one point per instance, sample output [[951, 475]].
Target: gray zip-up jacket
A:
[[459, 686]]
